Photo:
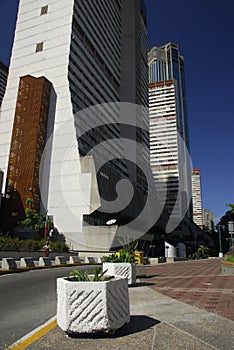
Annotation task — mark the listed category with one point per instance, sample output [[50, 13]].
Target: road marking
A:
[[33, 336], [6, 274]]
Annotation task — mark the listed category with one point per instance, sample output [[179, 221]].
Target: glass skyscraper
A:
[[169, 135]]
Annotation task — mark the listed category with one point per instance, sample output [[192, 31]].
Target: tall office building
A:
[[208, 220], [197, 198], [169, 136], [68, 56], [3, 80]]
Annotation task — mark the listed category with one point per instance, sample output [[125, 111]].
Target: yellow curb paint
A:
[[29, 341]]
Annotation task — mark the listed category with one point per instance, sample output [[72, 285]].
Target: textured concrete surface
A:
[[92, 306], [158, 321], [121, 269], [199, 283]]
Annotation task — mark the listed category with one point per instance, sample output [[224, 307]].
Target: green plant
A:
[[230, 252], [125, 254], [59, 246], [120, 256], [202, 250], [129, 246], [230, 258], [33, 220], [7, 243], [83, 276]]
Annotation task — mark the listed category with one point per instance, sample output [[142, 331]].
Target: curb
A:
[[33, 336], [24, 269]]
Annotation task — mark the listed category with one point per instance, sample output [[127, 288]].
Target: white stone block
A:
[[74, 259], [27, 262], [8, 264], [121, 269], [44, 261], [153, 261], [90, 260], [140, 270], [60, 260], [88, 307]]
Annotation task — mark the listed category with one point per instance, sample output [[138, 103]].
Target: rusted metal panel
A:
[[29, 137], [161, 83]]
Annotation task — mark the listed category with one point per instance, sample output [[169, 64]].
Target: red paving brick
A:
[[198, 283]]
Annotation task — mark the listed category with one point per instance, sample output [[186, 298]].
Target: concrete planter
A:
[[227, 267], [121, 269], [92, 307]]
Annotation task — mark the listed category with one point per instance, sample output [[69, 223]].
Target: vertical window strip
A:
[[44, 10], [39, 47]]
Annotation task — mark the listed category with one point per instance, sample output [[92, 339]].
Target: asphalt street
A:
[[28, 300]]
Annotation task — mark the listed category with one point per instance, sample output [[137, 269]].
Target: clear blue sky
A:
[[204, 30]]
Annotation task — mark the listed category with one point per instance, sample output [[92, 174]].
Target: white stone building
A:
[[86, 53], [197, 198]]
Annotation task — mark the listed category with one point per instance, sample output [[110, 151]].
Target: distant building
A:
[[197, 198], [208, 220], [169, 136], [3, 80]]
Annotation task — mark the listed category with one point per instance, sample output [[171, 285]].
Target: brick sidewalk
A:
[[198, 283]]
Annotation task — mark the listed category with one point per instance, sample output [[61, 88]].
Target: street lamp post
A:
[[220, 241]]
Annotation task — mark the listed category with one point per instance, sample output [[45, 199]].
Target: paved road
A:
[[27, 300]]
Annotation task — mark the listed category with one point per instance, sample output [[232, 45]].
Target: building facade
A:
[[67, 57], [169, 136], [3, 80], [197, 198], [208, 220]]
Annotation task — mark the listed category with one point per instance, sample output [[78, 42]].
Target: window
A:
[[39, 47], [44, 10]]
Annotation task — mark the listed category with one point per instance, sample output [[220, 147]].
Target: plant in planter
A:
[[80, 276], [230, 259], [227, 264], [122, 263], [92, 303]]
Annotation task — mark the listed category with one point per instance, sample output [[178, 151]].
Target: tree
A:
[[229, 216], [230, 205], [34, 220]]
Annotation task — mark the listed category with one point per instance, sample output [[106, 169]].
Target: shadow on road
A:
[[138, 323]]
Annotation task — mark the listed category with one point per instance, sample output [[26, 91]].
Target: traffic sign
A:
[[230, 227]]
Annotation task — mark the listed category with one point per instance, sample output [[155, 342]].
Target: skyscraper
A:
[[169, 136], [197, 198], [67, 57], [208, 220]]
